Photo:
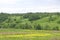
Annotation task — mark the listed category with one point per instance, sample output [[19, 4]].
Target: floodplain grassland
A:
[[19, 34]]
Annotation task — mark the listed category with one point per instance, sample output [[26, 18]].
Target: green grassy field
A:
[[30, 26], [19, 34]]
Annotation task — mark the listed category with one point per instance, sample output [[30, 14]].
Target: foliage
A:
[[56, 28], [30, 20], [38, 27]]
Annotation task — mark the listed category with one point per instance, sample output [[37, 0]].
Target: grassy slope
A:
[[43, 22]]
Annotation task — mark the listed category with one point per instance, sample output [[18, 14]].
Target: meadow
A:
[[19, 34]]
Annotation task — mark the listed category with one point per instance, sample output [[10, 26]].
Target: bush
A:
[[37, 27], [58, 22], [12, 25], [51, 18], [47, 27], [25, 26], [34, 17], [56, 28]]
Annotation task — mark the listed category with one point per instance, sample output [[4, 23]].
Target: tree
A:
[[51, 18], [58, 22], [12, 25], [56, 28], [34, 17], [3, 17], [47, 27], [28, 26], [38, 27], [0, 26]]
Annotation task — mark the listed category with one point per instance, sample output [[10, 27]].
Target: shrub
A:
[[34, 17], [58, 22], [37, 27], [56, 28], [47, 27]]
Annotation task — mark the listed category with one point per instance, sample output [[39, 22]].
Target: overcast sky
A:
[[18, 6]]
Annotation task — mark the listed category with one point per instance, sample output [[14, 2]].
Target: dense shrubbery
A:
[[34, 17], [29, 21], [58, 22], [38, 27], [56, 28], [3, 17]]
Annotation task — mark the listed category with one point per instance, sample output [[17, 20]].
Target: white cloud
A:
[[32, 9], [7, 1], [12, 6]]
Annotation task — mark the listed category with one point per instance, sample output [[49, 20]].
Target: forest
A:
[[33, 21]]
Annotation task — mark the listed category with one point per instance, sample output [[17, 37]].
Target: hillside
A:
[[35, 21]]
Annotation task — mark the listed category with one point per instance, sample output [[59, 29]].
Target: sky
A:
[[23, 6]]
